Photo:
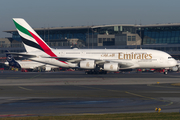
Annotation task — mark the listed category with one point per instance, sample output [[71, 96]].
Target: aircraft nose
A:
[[173, 62]]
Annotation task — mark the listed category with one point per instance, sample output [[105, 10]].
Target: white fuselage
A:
[[136, 58]]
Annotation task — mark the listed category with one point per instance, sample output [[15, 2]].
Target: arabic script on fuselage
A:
[[128, 56], [108, 55]]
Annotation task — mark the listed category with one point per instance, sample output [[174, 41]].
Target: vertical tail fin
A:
[[31, 40]]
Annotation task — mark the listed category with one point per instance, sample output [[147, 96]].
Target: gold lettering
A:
[[111, 67], [108, 55], [142, 55], [127, 56], [120, 56], [135, 56], [132, 56], [139, 56], [150, 55], [146, 55], [87, 64]]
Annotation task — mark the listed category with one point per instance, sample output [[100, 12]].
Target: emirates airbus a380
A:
[[90, 59]]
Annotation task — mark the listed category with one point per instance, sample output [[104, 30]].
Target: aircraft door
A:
[[161, 60], [83, 53], [63, 53]]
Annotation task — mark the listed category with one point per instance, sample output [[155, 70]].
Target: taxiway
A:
[[65, 93]]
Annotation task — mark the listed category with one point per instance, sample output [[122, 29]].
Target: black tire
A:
[[165, 72]]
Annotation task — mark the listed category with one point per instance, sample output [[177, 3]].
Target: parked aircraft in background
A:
[[94, 60], [27, 64], [11, 61]]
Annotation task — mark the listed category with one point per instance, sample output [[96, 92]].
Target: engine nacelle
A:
[[48, 68], [111, 67], [175, 68], [87, 64]]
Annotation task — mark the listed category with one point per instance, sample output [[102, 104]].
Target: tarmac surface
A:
[[67, 93]]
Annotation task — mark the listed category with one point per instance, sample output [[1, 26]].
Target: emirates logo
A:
[[111, 67], [87, 64]]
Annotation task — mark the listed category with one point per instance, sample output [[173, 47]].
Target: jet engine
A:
[[175, 68], [87, 64], [48, 68], [111, 67]]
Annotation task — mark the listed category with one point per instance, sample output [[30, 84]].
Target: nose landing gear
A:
[[165, 71]]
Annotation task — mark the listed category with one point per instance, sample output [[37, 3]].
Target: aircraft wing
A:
[[122, 64]]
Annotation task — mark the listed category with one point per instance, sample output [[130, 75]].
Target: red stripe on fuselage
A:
[[46, 49]]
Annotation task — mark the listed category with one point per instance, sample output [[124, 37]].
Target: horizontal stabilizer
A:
[[22, 54]]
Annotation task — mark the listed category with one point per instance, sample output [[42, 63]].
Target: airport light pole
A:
[[140, 37], [44, 33], [92, 38], [88, 36], [48, 34]]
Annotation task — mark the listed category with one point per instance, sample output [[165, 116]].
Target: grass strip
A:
[[124, 116]]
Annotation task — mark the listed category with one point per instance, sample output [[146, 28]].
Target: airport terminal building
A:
[[165, 37]]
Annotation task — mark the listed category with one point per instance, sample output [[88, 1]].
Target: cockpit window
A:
[[169, 57]]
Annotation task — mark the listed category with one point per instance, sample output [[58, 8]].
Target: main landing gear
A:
[[165, 72], [96, 72]]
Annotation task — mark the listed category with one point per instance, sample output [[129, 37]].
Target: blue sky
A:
[[55, 13]]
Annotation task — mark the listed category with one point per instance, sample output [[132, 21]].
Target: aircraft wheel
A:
[[165, 72]]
